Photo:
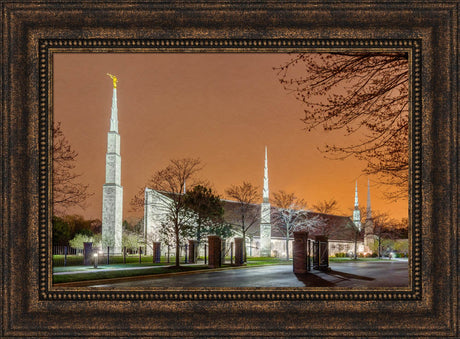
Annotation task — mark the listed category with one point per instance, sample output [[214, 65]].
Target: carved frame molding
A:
[[34, 30]]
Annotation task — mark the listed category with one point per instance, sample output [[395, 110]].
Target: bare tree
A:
[[246, 195], [326, 207], [67, 190], [383, 227], [170, 182], [289, 215], [351, 92]]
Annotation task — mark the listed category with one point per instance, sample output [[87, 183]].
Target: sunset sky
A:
[[222, 108]]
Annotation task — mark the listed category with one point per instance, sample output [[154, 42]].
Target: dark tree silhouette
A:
[[67, 190], [66, 227], [351, 92], [383, 228], [208, 211], [326, 206]]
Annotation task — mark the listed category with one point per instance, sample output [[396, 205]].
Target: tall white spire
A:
[[265, 193], [265, 224], [356, 211], [112, 191]]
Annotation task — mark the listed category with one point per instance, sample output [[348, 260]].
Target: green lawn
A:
[[76, 260], [335, 259], [104, 266], [267, 261], [65, 278]]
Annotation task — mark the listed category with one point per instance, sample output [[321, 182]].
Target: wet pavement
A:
[[345, 274]]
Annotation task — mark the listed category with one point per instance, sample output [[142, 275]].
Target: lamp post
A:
[[96, 255]]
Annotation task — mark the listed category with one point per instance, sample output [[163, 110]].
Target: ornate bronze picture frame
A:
[[34, 31]]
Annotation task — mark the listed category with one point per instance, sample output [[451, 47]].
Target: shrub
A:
[[132, 241], [340, 255], [79, 239]]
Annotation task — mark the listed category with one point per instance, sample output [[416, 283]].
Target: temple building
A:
[[263, 238], [112, 191]]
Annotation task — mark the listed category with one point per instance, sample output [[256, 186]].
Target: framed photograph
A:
[[196, 169]]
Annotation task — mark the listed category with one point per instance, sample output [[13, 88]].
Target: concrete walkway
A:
[[363, 274]]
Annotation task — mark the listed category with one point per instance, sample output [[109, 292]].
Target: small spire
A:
[[185, 187], [356, 211], [356, 194], [265, 193]]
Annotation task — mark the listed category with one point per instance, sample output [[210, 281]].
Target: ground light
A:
[[96, 255]]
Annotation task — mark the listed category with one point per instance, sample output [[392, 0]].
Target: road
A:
[[348, 274]]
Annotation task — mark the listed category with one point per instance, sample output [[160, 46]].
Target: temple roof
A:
[[336, 227]]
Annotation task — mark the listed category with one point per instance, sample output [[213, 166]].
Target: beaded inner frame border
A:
[[47, 47]]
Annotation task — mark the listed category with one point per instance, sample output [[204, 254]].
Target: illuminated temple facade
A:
[[263, 239]]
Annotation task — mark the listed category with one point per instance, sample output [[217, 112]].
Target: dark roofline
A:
[[252, 204]]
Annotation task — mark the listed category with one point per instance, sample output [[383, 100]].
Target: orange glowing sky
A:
[[222, 108]]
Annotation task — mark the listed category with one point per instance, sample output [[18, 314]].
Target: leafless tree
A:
[[358, 92], [246, 194], [67, 190], [170, 182], [289, 215], [326, 206], [383, 227]]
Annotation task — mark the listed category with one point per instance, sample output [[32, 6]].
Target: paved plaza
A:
[[360, 274]]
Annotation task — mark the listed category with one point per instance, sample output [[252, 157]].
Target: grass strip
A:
[[65, 278], [339, 259], [58, 269]]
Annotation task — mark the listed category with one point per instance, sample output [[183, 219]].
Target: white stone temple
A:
[[263, 239], [265, 225], [112, 192]]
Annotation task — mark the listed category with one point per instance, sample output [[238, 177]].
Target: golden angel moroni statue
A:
[[114, 79]]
